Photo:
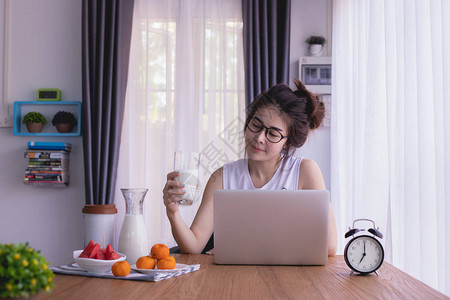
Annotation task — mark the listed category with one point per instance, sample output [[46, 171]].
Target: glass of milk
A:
[[133, 239], [188, 164]]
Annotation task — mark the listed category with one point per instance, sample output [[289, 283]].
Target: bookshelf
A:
[[48, 109], [48, 164]]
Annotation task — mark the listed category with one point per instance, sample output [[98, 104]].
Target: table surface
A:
[[332, 281]]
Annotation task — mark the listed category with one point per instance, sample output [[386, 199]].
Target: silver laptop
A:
[[267, 227]]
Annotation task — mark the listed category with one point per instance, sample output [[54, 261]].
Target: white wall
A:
[[311, 18], [45, 51]]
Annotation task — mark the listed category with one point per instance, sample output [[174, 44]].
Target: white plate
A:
[[178, 267], [95, 265]]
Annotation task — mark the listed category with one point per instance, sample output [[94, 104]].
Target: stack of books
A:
[[48, 162]]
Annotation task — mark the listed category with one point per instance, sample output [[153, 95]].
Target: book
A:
[[47, 151], [43, 177], [35, 168], [28, 171], [49, 145], [50, 159], [64, 159], [59, 179], [48, 163], [44, 163], [44, 181], [46, 154]]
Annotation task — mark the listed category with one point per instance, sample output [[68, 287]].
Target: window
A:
[[185, 92]]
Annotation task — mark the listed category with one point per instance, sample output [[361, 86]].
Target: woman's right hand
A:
[[172, 192]]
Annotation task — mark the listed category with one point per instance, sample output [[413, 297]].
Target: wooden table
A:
[[332, 281]]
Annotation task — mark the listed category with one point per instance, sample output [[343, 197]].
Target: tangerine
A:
[[166, 263], [146, 262], [121, 268], [159, 251], [171, 257]]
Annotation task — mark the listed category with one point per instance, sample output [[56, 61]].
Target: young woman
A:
[[278, 123]]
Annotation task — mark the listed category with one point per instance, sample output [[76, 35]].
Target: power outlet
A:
[[6, 121]]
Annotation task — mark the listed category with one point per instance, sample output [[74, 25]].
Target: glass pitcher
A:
[[133, 239]]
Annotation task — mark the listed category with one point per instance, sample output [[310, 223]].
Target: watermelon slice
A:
[[110, 253], [100, 254], [87, 250], [94, 251]]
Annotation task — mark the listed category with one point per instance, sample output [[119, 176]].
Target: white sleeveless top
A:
[[237, 177]]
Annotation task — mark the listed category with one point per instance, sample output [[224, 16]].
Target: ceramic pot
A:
[[64, 127], [99, 223], [315, 49], [34, 127]]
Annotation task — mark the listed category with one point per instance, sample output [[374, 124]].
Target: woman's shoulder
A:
[[308, 164], [310, 176], [215, 180]]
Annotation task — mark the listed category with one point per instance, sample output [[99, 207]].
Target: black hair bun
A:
[[315, 109]]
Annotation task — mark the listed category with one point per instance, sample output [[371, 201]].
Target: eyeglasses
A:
[[272, 135]]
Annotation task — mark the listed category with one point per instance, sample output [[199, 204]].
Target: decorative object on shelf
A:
[[23, 271], [34, 121], [64, 121], [315, 44], [364, 253], [48, 95]]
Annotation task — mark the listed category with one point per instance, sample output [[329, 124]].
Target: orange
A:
[[121, 268], [171, 257], [159, 251], [146, 262], [167, 263]]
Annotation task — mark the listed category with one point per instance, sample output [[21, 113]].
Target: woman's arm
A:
[[194, 239], [310, 178]]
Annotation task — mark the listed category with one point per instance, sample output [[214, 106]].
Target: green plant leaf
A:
[[34, 117]]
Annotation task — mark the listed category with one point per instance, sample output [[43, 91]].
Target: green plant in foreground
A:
[[34, 117], [23, 271]]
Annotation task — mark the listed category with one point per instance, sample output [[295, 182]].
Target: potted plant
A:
[[64, 121], [23, 271], [315, 44], [34, 121]]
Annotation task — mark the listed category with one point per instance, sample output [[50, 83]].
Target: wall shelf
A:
[[48, 109]]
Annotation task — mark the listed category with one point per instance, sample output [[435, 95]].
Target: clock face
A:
[[364, 254]]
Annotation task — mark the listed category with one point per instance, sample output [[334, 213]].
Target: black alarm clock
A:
[[48, 95], [364, 253]]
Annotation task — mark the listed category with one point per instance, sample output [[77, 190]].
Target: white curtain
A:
[[391, 129], [185, 92]]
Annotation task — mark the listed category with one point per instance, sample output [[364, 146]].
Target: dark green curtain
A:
[[267, 26], [106, 38]]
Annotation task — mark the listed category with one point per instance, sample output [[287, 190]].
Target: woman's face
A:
[[257, 135]]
